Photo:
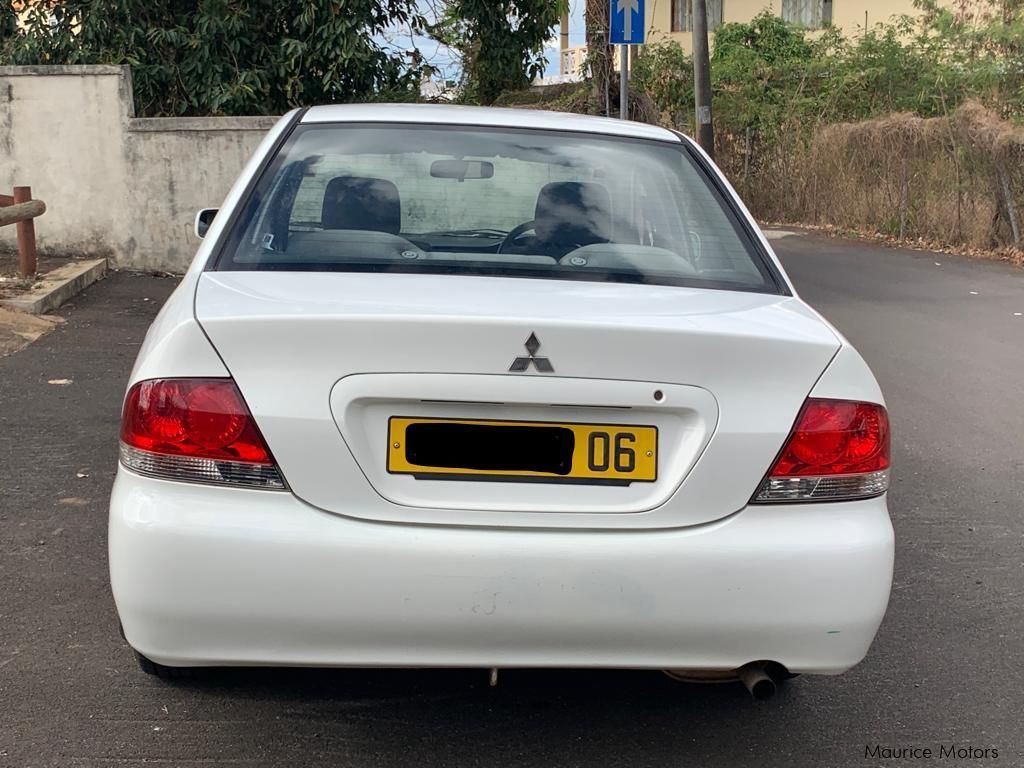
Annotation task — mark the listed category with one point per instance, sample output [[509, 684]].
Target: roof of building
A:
[[447, 114]]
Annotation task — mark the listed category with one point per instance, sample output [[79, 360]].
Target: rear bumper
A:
[[210, 576]]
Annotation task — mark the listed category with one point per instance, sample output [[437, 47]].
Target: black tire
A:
[[171, 674]]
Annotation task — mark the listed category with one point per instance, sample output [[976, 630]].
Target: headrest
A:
[[360, 202], [573, 213]]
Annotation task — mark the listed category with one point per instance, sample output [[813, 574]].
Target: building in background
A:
[[22, 8], [672, 19]]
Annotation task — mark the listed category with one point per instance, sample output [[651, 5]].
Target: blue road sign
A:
[[627, 22]]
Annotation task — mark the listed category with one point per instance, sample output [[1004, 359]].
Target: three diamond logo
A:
[[522, 364]]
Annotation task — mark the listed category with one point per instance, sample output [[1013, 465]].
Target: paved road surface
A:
[[947, 665]]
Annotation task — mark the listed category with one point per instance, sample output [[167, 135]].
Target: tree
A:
[[599, 54], [501, 42], [665, 73], [216, 57]]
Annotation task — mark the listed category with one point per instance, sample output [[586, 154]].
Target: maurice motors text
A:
[[942, 751]]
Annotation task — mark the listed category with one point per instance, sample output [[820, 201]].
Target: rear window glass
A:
[[478, 201]]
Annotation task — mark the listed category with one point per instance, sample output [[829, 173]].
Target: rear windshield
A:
[[499, 202]]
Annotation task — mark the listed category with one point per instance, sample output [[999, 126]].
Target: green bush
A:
[[768, 76], [785, 99], [665, 72], [220, 57]]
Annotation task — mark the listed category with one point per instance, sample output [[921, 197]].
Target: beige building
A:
[[671, 19]]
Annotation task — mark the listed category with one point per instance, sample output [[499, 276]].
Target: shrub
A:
[[219, 57], [876, 131]]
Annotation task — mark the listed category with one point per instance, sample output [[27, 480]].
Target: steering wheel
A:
[[515, 234]]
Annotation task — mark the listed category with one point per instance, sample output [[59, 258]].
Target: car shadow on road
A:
[[535, 717]]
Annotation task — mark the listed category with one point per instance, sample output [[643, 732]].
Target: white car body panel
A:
[[175, 342], [352, 566], [848, 378], [289, 338], [211, 576]]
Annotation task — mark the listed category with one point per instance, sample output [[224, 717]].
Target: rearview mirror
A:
[[461, 169], [203, 221]]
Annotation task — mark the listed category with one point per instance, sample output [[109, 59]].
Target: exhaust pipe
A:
[[759, 683]]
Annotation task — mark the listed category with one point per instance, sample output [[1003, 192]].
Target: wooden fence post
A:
[[26, 233]]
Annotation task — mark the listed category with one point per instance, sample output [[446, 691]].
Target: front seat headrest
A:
[[362, 202], [573, 213]]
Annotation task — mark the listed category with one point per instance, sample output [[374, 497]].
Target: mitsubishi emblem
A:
[[521, 364]]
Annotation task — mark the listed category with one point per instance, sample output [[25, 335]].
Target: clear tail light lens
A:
[[838, 450], [196, 430]]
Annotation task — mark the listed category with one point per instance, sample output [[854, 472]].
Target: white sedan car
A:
[[495, 388]]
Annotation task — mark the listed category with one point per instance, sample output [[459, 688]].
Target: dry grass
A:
[[955, 181]]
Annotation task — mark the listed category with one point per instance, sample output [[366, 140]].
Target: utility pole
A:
[[702, 78]]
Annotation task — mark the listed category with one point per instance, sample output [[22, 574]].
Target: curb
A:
[[58, 286]]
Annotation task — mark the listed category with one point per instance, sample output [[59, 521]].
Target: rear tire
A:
[[170, 674]]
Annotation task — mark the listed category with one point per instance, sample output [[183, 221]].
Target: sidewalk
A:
[[18, 329]]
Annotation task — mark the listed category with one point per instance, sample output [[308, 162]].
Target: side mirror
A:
[[203, 221]]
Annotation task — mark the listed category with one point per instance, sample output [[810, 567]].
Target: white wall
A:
[[114, 185]]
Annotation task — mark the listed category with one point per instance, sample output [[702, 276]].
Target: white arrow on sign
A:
[[628, 7]]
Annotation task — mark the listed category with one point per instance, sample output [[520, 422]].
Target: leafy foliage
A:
[[767, 73], [215, 57], [812, 127], [985, 42], [501, 42], [665, 72]]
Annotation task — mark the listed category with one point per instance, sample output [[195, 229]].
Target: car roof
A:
[[448, 114]]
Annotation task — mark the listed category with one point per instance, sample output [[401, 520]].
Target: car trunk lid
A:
[[326, 360]]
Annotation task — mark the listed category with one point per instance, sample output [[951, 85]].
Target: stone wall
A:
[[114, 185]]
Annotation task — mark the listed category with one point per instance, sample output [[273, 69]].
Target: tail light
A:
[[197, 430], [838, 449]]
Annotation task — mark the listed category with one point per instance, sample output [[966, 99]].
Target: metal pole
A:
[[624, 81], [702, 77]]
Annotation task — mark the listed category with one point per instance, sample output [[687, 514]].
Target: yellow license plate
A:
[[528, 451]]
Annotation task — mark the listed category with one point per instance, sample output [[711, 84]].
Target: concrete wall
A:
[[114, 185], [177, 166]]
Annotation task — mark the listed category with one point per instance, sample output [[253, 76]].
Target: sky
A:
[[441, 57]]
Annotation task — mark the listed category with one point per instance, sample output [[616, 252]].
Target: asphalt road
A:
[[946, 668]]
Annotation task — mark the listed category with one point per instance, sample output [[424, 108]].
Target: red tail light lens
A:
[[192, 417], [836, 437], [194, 429], [838, 449]]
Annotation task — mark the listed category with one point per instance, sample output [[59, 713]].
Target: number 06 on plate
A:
[[522, 451]]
